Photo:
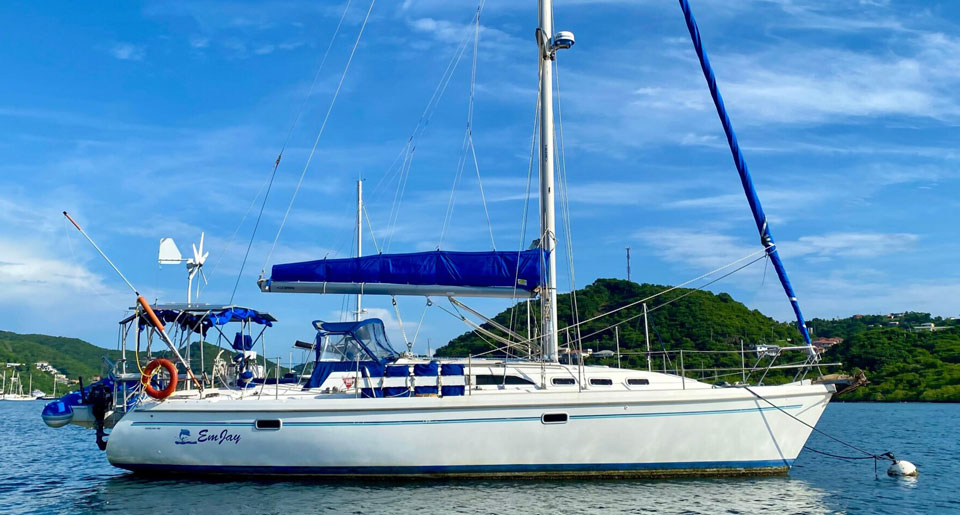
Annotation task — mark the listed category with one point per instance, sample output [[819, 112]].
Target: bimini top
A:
[[438, 272], [199, 318], [369, 334]]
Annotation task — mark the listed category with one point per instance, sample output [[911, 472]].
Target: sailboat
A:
[[14, 390], [368, 410]]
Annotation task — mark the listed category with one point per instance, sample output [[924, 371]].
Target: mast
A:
[[359, 236], [548, 235], [549, 43]]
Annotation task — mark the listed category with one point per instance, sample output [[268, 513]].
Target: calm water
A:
[[61, 470]]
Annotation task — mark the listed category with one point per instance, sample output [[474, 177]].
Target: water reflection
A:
[[749, 495]]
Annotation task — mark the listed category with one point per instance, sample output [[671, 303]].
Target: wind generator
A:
[[170, 255]]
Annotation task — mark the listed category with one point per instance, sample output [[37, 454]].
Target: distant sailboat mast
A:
[[359, 237]]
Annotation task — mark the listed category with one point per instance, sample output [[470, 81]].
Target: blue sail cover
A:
[[766, 238], [438, 267]]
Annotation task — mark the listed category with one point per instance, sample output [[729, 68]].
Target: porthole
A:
[[554, 418], [268, 424]]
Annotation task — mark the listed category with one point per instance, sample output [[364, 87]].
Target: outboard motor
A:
[[100, 399]]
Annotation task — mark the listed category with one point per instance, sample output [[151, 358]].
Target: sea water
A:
[[60, 470]]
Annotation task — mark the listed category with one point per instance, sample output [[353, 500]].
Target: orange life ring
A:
[[148, 373]]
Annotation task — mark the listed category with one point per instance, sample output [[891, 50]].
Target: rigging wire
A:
[[526, 203], [683, 284], [373, 235], [323, 126], [406, 154], [565, 213], [276, 164], [468, 144], [671, 301], [226, 248]]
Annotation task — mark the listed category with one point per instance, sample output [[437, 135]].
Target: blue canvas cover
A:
[[426, 369], [451, 369], [369, 334], [438, 267], [202, 322], [242, 342]]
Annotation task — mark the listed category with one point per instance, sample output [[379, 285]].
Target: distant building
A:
[[14, 365], [858, 316], [44, 366], [822, 344], [929, 326], [892, 324]]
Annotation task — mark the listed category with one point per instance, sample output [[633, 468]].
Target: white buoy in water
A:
[[902, 468]]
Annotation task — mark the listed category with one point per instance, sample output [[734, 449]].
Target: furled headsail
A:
[[504, 274], [766, 238]]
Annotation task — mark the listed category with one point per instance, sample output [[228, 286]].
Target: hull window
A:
[[554, 418], [601, 382], [638, 382], [563, 381], [496, 379], [268, 424]]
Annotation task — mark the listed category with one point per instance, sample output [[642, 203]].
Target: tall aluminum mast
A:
[[548, 44]]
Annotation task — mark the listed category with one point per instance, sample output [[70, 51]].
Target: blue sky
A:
[[153, 119]]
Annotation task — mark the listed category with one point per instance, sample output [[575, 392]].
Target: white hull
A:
[[701, 431]]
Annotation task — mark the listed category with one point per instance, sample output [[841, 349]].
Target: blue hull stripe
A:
[[465, 469], [471, 420]]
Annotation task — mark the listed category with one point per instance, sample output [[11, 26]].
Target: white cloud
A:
[[851, 244], [492, 40], [264, 49], [128, 52], [32, 274], [703, 251]]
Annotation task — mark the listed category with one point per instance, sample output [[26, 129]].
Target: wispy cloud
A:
[[128, 52], [199, 42], [850, 244]]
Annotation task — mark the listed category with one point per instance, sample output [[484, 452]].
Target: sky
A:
[[164, 119]]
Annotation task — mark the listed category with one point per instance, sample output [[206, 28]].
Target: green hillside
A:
[[688, 319], [72, 357], [846, 327], [903, 365]]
